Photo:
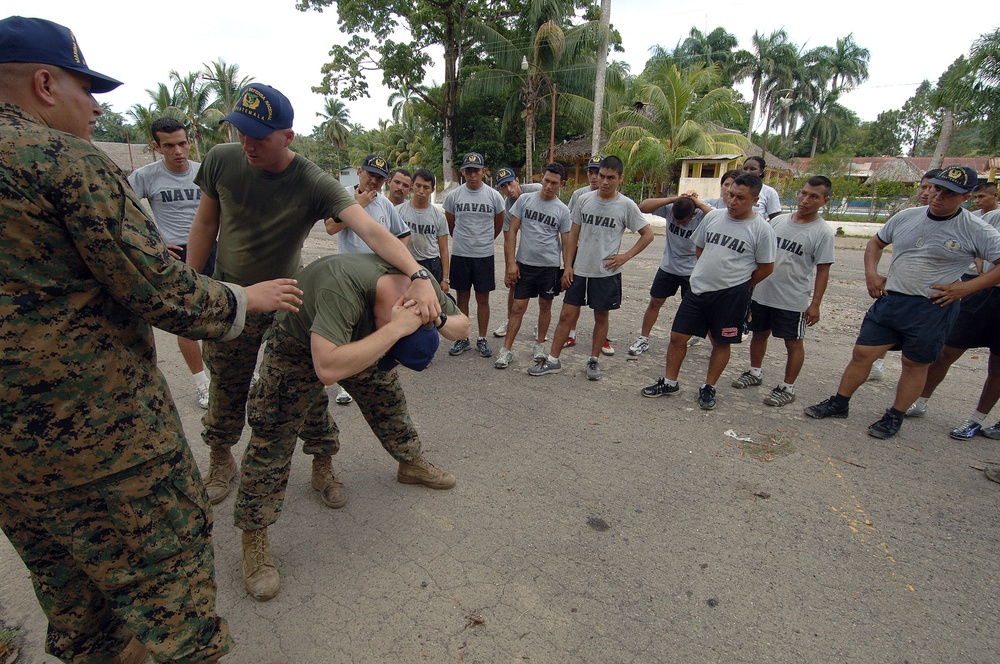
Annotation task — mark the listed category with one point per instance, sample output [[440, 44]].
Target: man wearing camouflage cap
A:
[[99, 493]]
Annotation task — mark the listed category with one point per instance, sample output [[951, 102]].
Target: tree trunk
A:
[[753, 107], [602, 61], [812, 153], [944, 140], [767, 128], [450, 139], [529, 136]]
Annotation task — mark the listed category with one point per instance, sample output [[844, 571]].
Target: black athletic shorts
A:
[[599, 293], [433, 265], [978, 323], [209, 268], [666, 284], [468, 273], [781, 323], [537, 281], [722, 312]]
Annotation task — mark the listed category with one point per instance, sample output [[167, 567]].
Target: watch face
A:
[[421, 274]]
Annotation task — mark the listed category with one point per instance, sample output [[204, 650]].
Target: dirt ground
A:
[[592, 525]]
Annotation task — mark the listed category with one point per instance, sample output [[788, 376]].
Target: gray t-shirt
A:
[[678, 249], [800, 248], [926, 252], [574, 198], [768, 202], [381, 210], [508, 203], [426, 226], [602, 225], [541, 223], [474, 212], [716, 203], [731, 251], [174, 198]]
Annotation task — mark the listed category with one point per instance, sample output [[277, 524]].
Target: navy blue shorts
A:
[[666, 284], [537, 281], [468, 273], [599, 293], [781, 323], [910, 323], [433, 265], [722, 312], [978, 324], [209, 268]]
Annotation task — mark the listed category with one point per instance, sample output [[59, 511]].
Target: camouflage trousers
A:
[[287, 388], [129, 554], [231, 365]]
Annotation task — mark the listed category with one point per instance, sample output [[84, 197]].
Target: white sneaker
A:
[[501, 331], [201, 392], [343, 398], [504, 358], [639, 346], [694, 341], [877, 374], [916, 410], [538, 352]]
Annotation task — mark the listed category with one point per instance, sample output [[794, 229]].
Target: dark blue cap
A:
[[37, 40], [414, 351], [473, 160], [957, 178], [595, 162], [261, 111], [505, 175], [376, 164]]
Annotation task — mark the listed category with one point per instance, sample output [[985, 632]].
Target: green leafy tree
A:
[[713, 48], [111, 126], [335, 129], [954, 98], [224, 82], [194, 99], [914, 118], [769, 57], [427, 23]]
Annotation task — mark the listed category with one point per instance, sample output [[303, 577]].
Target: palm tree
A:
[[335, 128], [163, 103], [770, 56], [193, 99], [678, 114], [955, 95], [847, 64], [224, 81], [715, 47]]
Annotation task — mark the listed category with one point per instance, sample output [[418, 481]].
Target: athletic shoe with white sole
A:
[[992, 432], [779, 396], [593, 369], [459, 347], [967, 430], [639, 346], [538, 352], [201, 392], [504, 358], [606, 349], [483, 348], [545, 366], [747, 379], [916, 410], [706, 397], [501, 331], [660, 389]]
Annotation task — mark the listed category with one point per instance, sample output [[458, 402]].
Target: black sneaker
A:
[[887, 427], [828, 408], [660, 389], [706, 397]]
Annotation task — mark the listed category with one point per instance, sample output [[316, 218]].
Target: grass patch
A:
[[774, 445], [8, 649]]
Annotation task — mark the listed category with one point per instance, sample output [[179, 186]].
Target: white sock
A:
[[669, 382], [642, 337], [788, 388], [480, 338], [553, 360], [879, 363], [200, 378], [572, 334], [921, 402], [979, 417], [757, 372]]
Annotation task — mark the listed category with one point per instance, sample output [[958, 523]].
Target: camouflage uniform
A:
[[87, 425], [278, 407]]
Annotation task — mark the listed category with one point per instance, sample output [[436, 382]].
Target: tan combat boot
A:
[[422, 471], [331, 490], [134, 653], [260, 576], [221, 473]]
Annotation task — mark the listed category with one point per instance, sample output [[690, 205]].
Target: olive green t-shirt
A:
[[265, 217], [339, 298]]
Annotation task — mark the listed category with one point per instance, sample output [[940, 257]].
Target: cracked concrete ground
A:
[[590, 524]]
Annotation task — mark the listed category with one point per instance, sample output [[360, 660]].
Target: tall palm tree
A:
[[847, 64], [715, 47], [678, 114], [193, 98], [770, 55], [163, 103], [224, 81], [335, 128]]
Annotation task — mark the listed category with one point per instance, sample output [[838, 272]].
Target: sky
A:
[[140, 42]]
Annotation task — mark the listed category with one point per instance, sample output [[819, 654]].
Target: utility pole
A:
[[602, 63]]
